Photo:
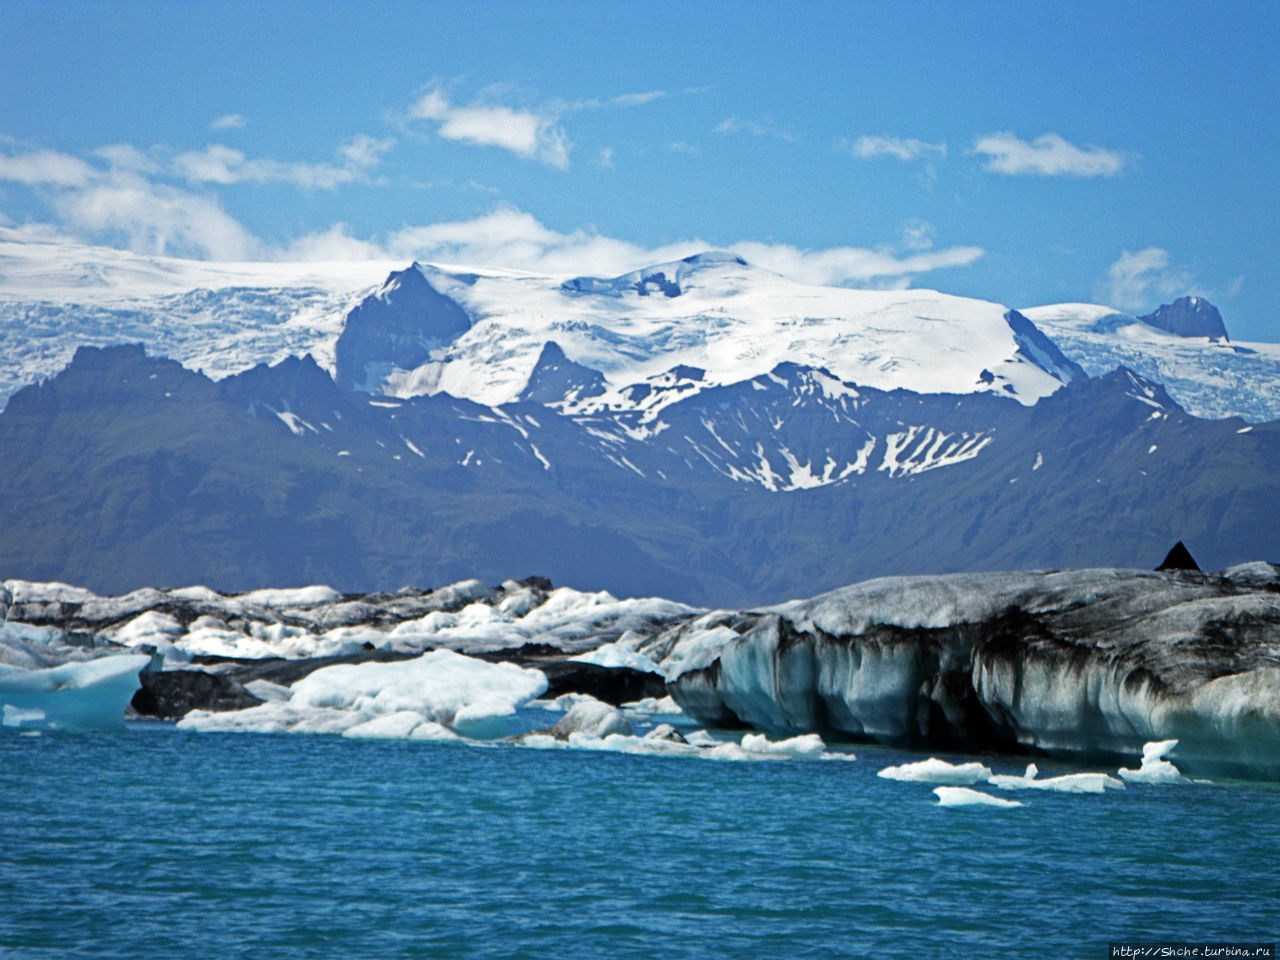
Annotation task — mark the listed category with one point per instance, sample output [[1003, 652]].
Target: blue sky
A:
[[1025, 153]]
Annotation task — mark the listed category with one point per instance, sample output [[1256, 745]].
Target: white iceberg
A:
[[471, 697], [934, 770], [965, 797], [1067, 783], [1155, 768]]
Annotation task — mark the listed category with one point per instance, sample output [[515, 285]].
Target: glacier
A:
[[1210, 377]]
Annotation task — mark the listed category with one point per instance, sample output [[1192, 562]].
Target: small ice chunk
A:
[[934, 770], [701, 738], [807, 747], [616, 655], [665, 731], [591, 717], [563, 702], [1155, 768], [965, 797], [649, 706]]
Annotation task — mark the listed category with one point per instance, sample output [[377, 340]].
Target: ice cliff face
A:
[[1075, 663]]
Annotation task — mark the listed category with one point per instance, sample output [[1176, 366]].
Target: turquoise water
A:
[[156, 843]]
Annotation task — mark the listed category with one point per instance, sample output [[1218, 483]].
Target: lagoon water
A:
[[159, 843]]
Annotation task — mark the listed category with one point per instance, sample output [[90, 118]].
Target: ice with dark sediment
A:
[[1075, 664]]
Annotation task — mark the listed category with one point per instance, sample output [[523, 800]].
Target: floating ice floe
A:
[[617, 655], [472, 698], [1067, 783], [934, 770], [91, 695], [1155, 768], [965, 797], [654, 706]]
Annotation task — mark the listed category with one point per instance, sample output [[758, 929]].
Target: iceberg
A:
[[407, 699], [965, 797], [934, 770], [1155, 768], [1067, 783], [1073, 664], [90, 695]]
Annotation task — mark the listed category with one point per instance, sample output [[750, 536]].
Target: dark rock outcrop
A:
[[1189, 317], [556, 378], [1179, 558], [172, 694], [398, 326]]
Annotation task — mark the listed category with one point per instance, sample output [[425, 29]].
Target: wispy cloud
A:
[[898, 148], [854, 266], [228, 121], [636, 99], [154, 218], [515, 239], [606, 158], [1048, 155], [221, 164], [121, 200], [917, 235], [530, 134], [756, 128], [45, 168], [679, 146], [1135, 279], [123, 196]]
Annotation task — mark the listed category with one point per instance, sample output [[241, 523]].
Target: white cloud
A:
[[850, 266], [526, 133], [906, 150], [221, 164], [1048, 155], [636, 99], [228, 121], [606, 158], [680, 146], [45, 168], [515, 239], [757, 128], [917, 235], [125, 156], [153, 218], [1135, 279]]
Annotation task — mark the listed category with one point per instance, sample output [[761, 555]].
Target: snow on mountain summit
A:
[[711, 269], [732, 320]]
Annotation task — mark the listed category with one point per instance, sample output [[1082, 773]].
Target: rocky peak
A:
[[556, 378], [1189, 317], [398, 326]]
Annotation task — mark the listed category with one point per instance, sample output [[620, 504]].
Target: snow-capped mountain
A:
[[401, 330], [126, 470], [712, 312], [1209, 375], [219, 318]]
